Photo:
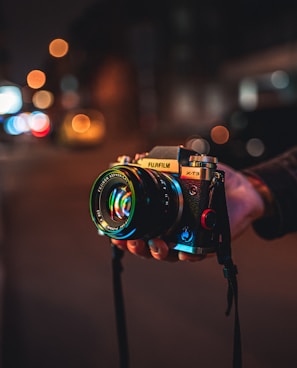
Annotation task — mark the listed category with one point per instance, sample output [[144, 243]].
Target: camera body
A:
[[171, 192]]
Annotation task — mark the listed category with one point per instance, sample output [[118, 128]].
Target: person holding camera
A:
[[263, 196]]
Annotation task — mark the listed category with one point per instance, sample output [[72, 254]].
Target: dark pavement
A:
[[58, 302]]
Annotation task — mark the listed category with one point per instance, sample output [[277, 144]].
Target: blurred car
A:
[[82, 128]]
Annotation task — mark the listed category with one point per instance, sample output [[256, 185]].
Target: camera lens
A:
[[119, 203], [130, 202]]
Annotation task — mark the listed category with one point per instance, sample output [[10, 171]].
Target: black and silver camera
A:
[[172, 192]]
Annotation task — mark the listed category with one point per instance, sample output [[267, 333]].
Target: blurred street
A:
[[58, 304]]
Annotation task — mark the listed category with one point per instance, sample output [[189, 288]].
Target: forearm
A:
[[276, 181]]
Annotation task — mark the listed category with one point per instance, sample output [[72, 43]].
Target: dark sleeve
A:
[[280, 175]]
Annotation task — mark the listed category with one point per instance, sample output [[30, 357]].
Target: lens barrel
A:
[[130, 202]]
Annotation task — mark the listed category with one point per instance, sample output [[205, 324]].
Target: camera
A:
[[171, 192]]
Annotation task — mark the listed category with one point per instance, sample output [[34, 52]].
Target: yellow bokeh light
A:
[[58, 48], [219, 134], [81, 123], [43, 99], [36, 79]]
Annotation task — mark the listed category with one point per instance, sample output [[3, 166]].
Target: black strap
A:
[[117, 269], [230, 273]]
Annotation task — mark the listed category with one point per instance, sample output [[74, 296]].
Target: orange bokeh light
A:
[[58, 48], [220, 134], [36, 79], [81, 123]]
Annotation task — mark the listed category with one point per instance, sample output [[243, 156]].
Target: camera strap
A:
[[230, 273], [117, 269]]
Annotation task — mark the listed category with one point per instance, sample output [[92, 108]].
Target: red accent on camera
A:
[[208, 219]]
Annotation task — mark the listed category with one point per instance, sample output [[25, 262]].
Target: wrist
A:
[[265, 194]]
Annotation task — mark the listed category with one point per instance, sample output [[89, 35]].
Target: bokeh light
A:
[[69, 83], [10, 99], [280, 79], [10, 126], [36, 123], [81, 123], [21, 123], [39, 124], [36, 79], [43, 99], [82, 127], [220, 134], [198, 144], [58, 48], [248, 94], [255, 147], [184, 104]]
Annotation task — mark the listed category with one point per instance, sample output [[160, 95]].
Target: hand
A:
[[244, 204], [155, 248]]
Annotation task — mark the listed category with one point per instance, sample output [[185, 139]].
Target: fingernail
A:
[[133, 243], [152, 246]]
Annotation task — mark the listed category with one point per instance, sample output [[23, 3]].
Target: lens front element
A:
[[112, 203], [119, 203]]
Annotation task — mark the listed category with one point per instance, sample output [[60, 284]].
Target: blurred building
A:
[[176, 69], [173, 69]]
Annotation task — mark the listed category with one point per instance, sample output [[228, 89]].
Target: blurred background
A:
[[84, 82]]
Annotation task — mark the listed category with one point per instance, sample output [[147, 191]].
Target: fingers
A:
[[139, 248], [161, 251], [156, 248]]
